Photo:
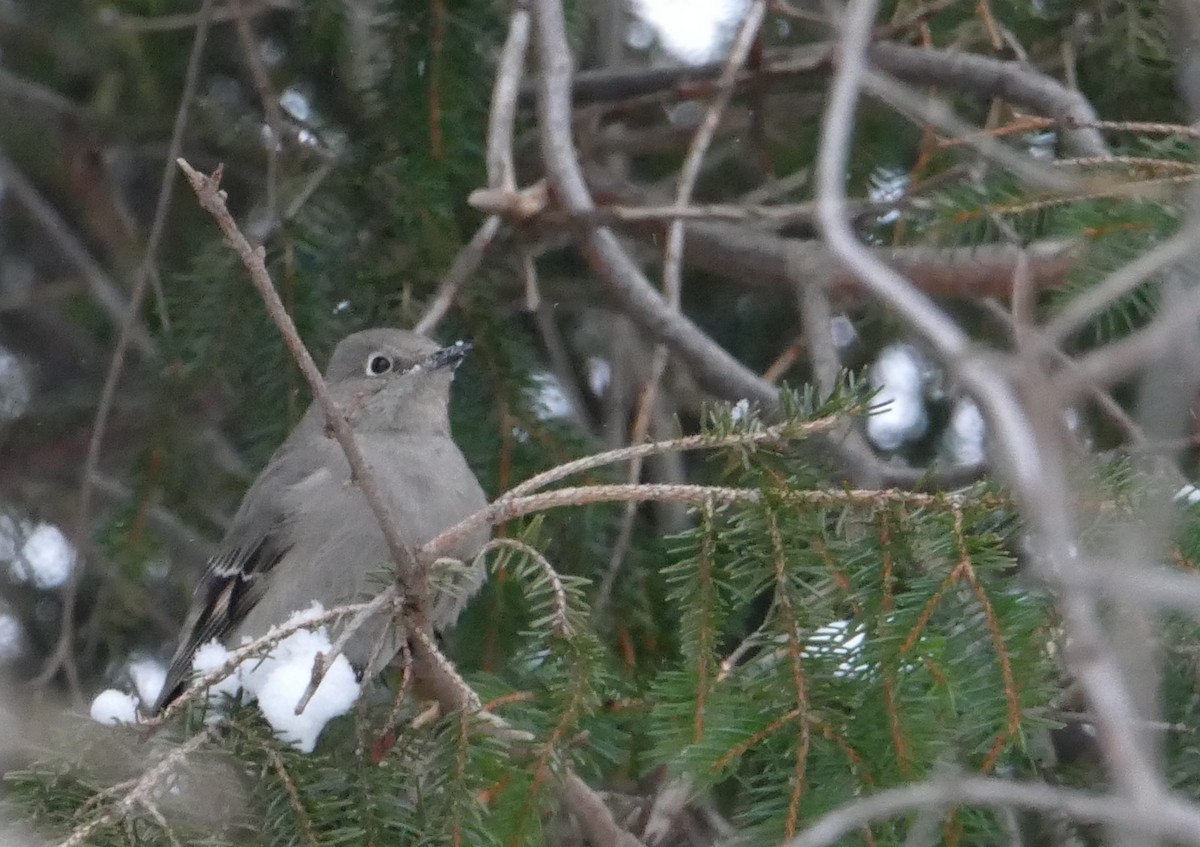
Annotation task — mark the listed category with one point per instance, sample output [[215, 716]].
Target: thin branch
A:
[[140, 790], [713, 366], [690, 172], [410, 575], [758, 259], [1169, 818], [465, 264], [983, 76], [594, 817], [935, 113], [258, 647], [647, 402], [987, 77], [131, 330], [323, 661], [1079, 310], [169, 23], [501, 172], [1035, 474], [267, 97], [703, 441], [100, 285], [503, 113], [673, 276]]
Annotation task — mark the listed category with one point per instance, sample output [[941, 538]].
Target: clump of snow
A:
[[836, 639], [112, 707], [277, 680], [599, 375], [550, 401], [901, 415], [12, 638], [210, 657], [693, 31], [283, 687], [148, 676], [45, 557], [967, 432], [1190, 494]]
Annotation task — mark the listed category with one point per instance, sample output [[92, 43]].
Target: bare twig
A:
[[713, 366], [690, 172], [984, 76], [188, 20], [272, 111], [1036, 474], [767, 435], [100, 285], [131, 331], [410, 575], [501, 173], [323, 661], [673, 273], [139, 790], [1087, 305], [465, 263], [503, 114], [1171, 819]]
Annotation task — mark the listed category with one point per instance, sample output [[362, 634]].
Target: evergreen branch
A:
[[1167, 818], [455, 694], [507, 507], [787, 613], [702, 441], [138, 791], [742, 747], [1012, 698], [562, 623], [293, 793], [705, 601]]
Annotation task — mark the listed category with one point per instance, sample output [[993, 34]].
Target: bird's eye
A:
[[377, 364]]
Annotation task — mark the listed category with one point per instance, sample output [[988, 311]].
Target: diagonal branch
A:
[[410, 576]]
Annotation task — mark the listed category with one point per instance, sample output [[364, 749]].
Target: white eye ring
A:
[[378, 364]]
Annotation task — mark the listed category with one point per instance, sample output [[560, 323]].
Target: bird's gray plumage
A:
[[304, 531]]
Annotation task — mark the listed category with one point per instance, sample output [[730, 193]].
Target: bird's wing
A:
[[233, 582], [237, 574]]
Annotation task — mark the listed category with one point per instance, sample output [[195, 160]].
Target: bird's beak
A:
[[451, 356]]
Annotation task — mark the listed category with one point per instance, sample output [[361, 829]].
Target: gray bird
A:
[[304, 531]]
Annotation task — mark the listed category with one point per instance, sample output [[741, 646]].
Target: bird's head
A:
[[394, 379]]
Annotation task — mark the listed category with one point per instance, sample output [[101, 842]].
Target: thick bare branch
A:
[[1171, 819]]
